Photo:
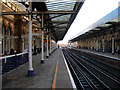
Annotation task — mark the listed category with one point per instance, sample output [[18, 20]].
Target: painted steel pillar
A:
[[47, 45], [0, 47], [0, 31], [42, 43], [91, 45], [103, 45], [97, 45], [50, 45], [30, 71], [113, 45]]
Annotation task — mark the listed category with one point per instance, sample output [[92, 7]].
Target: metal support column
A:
[[50, 43], [103, 45], [30, 71], [47, 45], [1, 47], [91, 45], [51, 46], [1, 32], [112, 45], [97, 45], [42, 59]]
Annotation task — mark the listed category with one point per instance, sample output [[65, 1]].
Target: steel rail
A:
[[83, 75], [74, 72], [113, 78], [90, 72]]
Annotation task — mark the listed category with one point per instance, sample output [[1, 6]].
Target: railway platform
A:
[[52, 74], [108, 58], [108, 55]]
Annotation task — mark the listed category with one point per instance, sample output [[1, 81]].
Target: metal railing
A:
[[13, 61]]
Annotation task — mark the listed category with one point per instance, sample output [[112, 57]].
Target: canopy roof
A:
[[62, 16], [108, 24]]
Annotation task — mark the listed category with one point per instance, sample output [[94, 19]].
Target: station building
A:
[[30, 27], [102, 36], [15, 30]]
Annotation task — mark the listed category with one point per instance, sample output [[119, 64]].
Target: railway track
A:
[[99, 68], [85, 78], [115, 72], [94, 76]]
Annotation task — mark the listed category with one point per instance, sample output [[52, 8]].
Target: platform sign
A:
[[44, 40], [5, 60], [74, 44]]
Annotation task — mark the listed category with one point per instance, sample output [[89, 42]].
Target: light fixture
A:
[[96, 29], [105, 25], [27, 3], [35, 9]]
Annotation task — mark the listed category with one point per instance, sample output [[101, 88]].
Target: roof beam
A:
[[57, 21], [38, 12]]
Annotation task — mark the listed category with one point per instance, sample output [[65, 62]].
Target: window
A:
[[3, 39], [8, 40]]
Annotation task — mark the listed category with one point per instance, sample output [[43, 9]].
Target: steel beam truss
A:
[[37, 12]]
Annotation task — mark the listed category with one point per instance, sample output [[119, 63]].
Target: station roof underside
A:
[[58, 14], [108, 24]]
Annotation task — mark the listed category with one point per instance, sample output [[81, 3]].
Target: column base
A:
[[30, 73], [47, 56], [42, 61]]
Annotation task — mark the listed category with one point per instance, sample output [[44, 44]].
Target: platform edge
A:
[[70, 75]]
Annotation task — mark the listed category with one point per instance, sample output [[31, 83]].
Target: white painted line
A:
[[71, 78]]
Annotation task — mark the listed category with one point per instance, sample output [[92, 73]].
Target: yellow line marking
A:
[[55, 76]]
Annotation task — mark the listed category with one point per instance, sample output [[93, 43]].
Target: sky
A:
[[91, 11]]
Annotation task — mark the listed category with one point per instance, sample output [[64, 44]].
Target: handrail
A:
[[13, 55]]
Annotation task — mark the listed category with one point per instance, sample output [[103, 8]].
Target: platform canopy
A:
[[108, 24], [58, 14]]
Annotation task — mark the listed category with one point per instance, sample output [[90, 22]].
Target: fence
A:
[[13, 61]]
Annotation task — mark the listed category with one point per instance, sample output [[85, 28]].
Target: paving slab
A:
[[43, 74]]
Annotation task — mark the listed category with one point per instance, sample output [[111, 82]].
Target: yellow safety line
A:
[[55, 75]]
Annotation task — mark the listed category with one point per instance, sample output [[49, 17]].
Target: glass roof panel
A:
[[60, 5], [62, 25], [54, 15], [65, 5], [63, 8], [59, 1], [62, 29], [62, 18]]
